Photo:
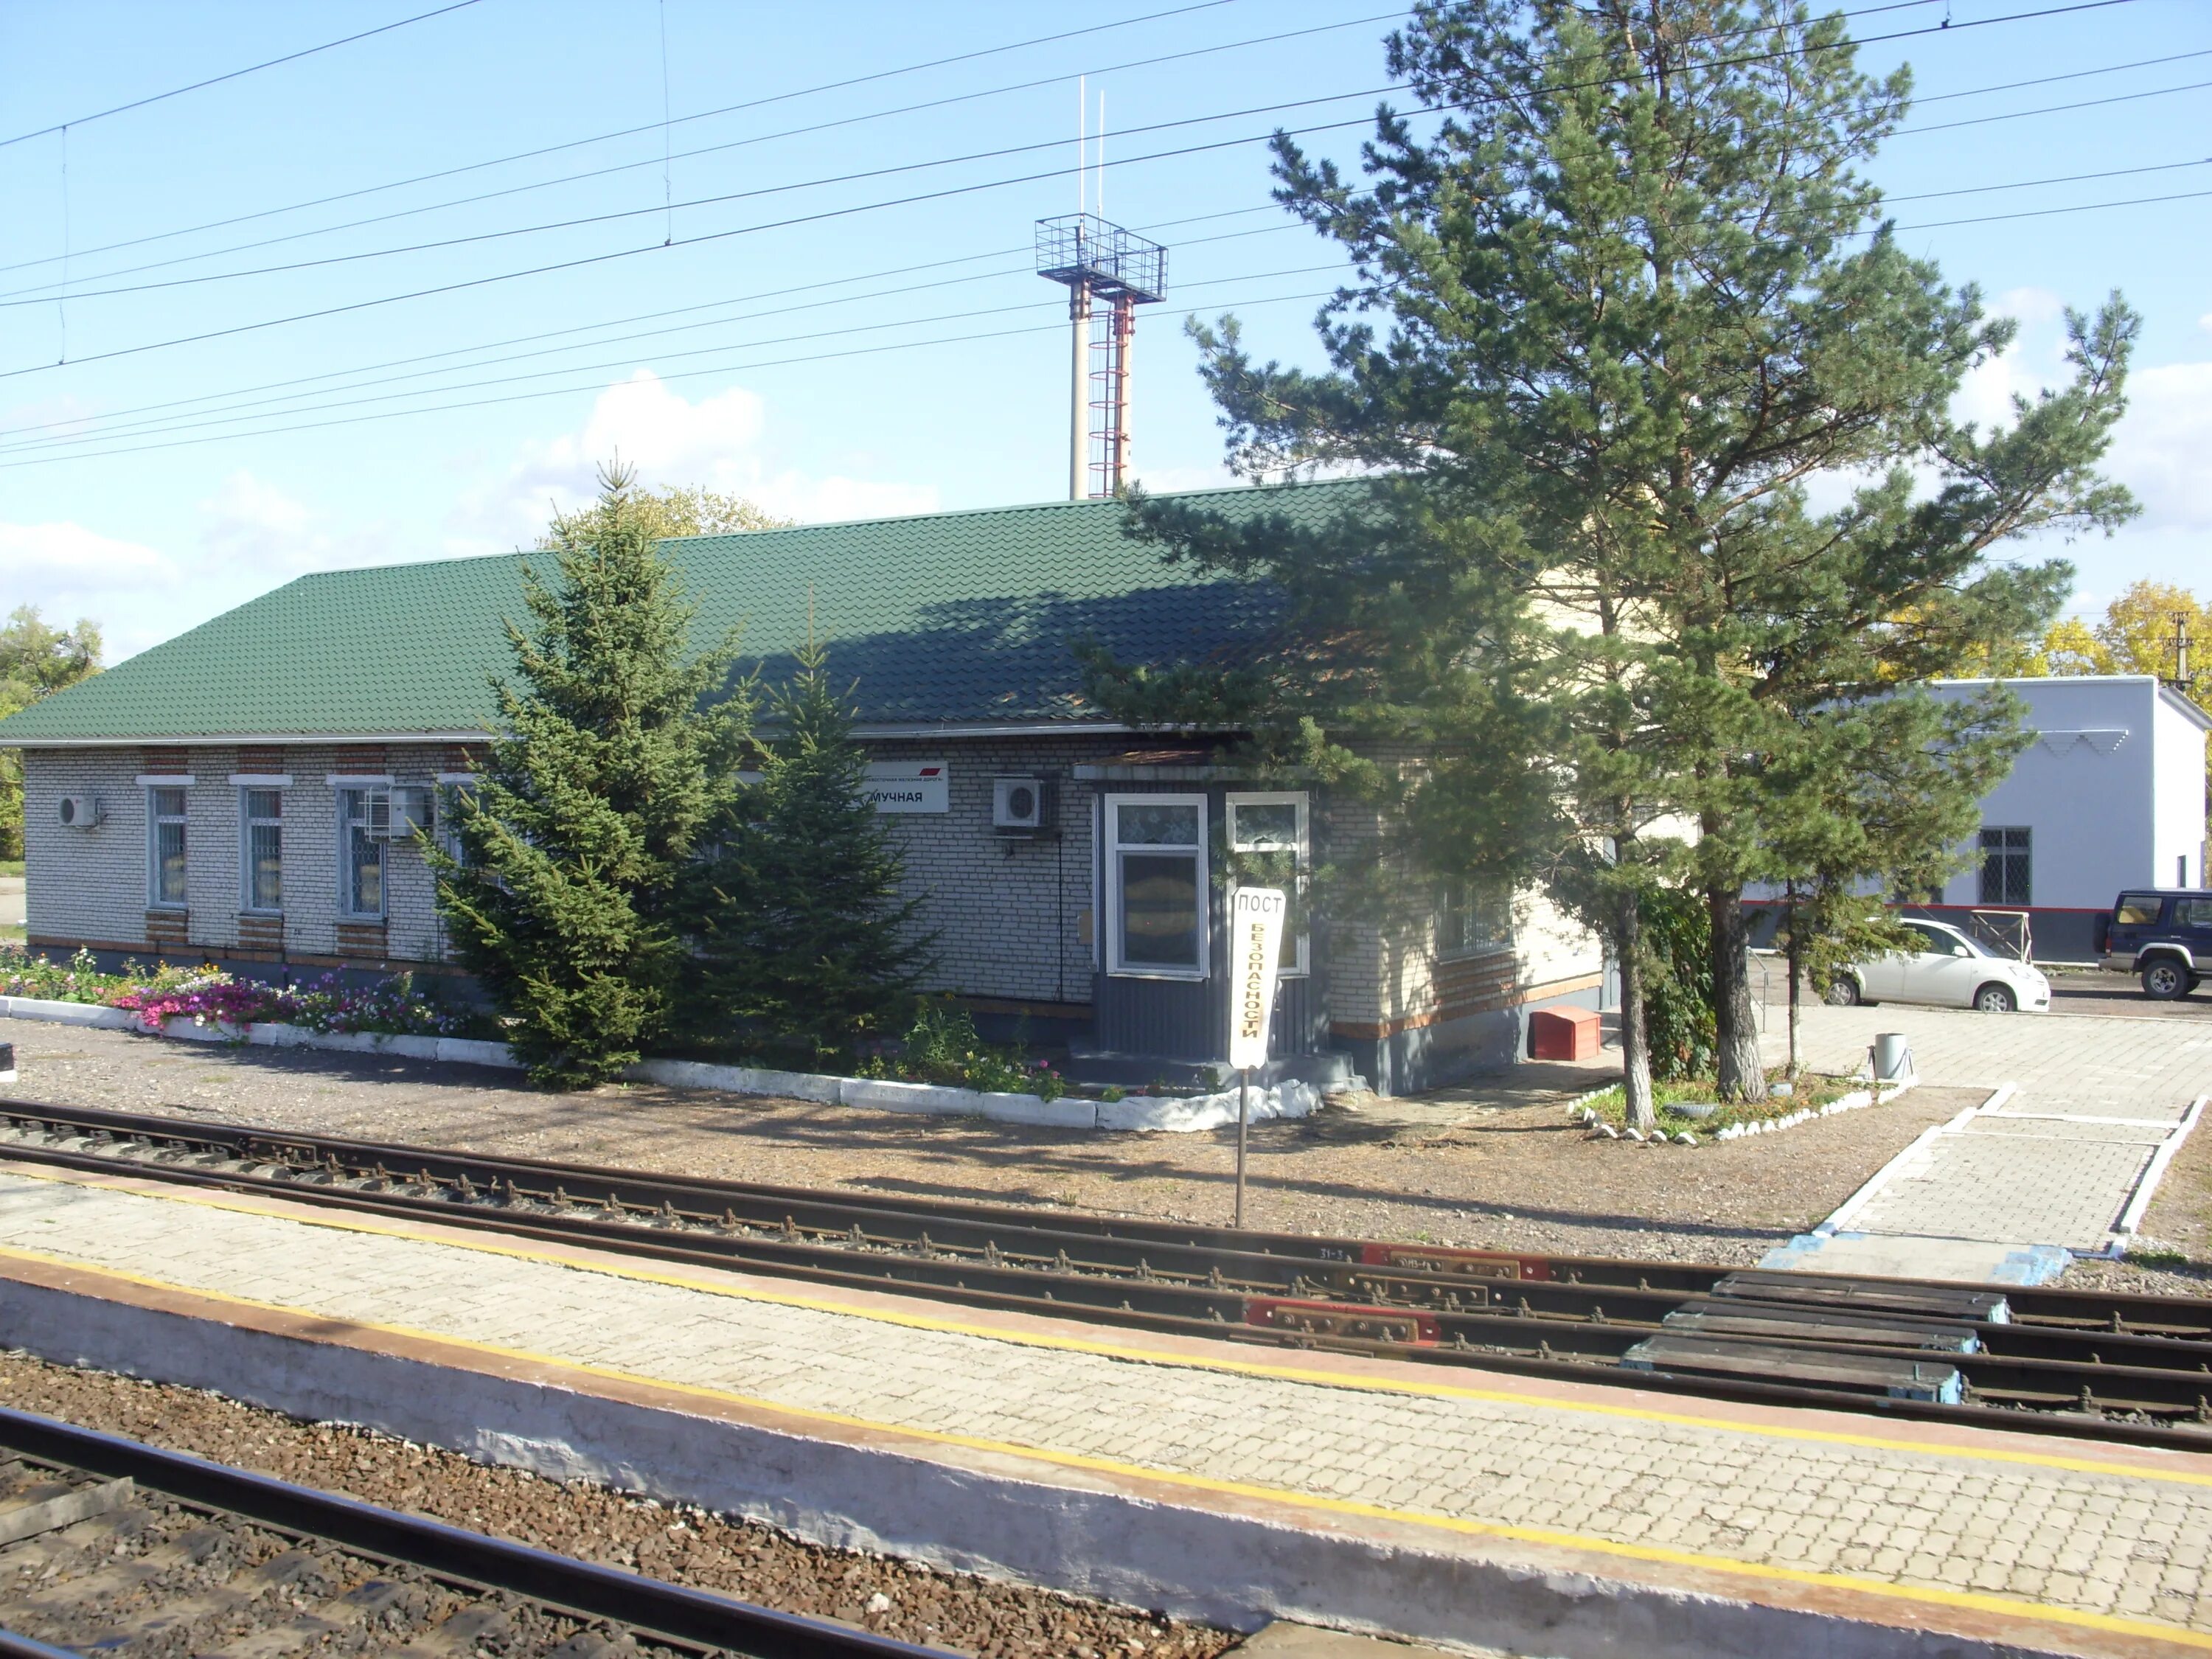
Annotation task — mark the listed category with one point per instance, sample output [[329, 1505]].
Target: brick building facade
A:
[[231, 795]]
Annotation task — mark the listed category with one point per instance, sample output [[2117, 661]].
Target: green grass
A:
[[11, 866], [1612, 1105]]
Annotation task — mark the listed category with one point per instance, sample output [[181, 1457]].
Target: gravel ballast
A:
[[1494, 1165], [682, 1545]]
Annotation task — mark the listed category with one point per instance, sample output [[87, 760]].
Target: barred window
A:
[[2005, 873], [262, 813], [364, 832], [1472, 917], [165, 845]]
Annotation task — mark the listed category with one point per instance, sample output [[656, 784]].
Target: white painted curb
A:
[[1144, 1113]]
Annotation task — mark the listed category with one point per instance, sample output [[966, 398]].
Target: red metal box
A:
[[1564, 1033]]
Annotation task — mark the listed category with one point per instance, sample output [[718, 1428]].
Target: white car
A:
[[1950, 969]]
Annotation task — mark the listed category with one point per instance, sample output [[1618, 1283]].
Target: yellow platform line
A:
[[1125, 1351], [1345, 1508]]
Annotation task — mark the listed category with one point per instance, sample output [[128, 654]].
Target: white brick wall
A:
[[90, 886]]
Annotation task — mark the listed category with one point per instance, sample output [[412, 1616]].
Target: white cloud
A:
[[68, 571], [2162, 449], [253, 533], [717, 442]]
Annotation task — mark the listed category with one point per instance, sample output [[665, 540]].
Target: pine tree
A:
[[589, 806], [799, 935], [1612, 308]]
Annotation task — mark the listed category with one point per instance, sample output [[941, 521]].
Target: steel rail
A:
[[1547, 1282], [1555, 1321], [479, 1561]]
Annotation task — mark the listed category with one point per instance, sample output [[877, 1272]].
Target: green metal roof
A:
[[952, 618]]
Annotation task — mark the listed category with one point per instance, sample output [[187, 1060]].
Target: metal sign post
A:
[[1255, 948]]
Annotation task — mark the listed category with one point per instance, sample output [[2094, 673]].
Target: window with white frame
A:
[[364, 834], [261, 820], [165, 846], [1472, 917], [448, 800], [1155, 886], [1271, 829]]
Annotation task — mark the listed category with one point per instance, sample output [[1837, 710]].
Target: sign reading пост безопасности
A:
[[1256, 944]]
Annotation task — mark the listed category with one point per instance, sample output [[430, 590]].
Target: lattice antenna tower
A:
[[1108, 272]]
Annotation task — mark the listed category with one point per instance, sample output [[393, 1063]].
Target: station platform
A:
[[1211, 1480]]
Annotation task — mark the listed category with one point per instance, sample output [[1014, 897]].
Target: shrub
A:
[[942, 1046]]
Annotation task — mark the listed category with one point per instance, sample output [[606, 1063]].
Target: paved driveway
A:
[[2088, 1067], [2063, 1162]]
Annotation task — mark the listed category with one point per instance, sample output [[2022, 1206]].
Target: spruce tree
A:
[[590, 805], [1618, 294], [799, 935]]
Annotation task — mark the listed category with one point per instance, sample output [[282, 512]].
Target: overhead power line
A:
[[724, 198], [939, 195], [77, 446], [631, 132], [710, 149], [74, 282], [115, 422], [1057, 326], [232, 75], [118, 423], [203, 421]]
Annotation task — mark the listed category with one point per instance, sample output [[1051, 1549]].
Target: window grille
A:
[[262, 812], [1472, 917], [2005, 866], [165, 846], [364, 831]]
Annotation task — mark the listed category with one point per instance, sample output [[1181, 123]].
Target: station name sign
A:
[[908, 786]]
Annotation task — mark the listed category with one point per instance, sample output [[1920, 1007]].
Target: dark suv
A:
[[2166, 938]]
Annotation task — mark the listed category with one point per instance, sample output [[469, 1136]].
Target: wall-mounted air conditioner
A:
[[1023, 806], [413, 807], [79, 812]]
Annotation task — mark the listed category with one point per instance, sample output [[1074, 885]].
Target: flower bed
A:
[[1809, 1095], [207, 996]]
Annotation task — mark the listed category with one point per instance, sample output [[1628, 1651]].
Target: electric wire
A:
[[1058, 326], [117, 426], [44, 290], [117, 422], [630, 361], [931, 196], [44, 297], [679, 155], [631, 132], [199, 425], [232, 75]]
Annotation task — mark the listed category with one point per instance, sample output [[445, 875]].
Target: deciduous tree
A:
[[36, 659]]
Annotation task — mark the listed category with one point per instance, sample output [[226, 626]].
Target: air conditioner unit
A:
[[413, 807], [81, 811], [1023, 806]]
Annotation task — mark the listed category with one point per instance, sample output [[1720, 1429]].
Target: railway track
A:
[[110, 1546], [2130, 1368]]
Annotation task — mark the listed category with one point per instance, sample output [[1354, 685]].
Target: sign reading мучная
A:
[[1256, 944], [908, 786]]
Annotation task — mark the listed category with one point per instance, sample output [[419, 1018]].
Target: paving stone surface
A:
[[2055, 1163], [2111, 1542], [2012, 1189]]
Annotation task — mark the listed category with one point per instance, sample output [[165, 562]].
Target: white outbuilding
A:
[[2109, 795]]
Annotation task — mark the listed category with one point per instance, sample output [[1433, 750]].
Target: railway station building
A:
[[246, 793]]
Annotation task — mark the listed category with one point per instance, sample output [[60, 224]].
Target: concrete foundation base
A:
[[1139, 1538]]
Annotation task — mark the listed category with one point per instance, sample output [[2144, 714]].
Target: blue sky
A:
[[153, 527]]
